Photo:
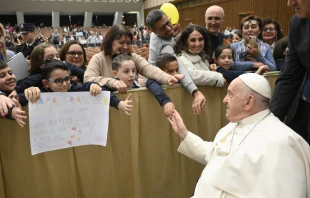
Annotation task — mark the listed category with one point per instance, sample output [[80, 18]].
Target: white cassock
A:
[[258, 157]]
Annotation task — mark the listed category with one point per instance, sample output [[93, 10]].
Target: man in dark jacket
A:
[[27, 32], [291, 98]]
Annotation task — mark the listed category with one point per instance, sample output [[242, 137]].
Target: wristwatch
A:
[[193, 93]]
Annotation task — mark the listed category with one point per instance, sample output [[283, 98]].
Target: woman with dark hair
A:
[[118, 40], [194, 50], [271, 32], [260, 53], [74, 52], [279, 52]]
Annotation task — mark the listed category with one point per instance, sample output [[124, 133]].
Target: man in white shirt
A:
[[255, 155]]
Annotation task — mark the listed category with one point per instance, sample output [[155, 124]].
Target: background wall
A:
[[235, 10]]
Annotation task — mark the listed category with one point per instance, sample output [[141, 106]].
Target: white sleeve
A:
[[195, 148]]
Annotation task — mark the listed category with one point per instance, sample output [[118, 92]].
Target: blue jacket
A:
[[266, 58], [158, 92], [229, 75]]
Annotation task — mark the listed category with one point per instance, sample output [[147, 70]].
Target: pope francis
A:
[[255, 155]]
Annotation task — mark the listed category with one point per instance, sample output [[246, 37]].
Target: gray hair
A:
[[153, 16], [261, 101]]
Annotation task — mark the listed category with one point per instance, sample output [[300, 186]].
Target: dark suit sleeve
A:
[[158, 92], [290, 78], [76, 71]]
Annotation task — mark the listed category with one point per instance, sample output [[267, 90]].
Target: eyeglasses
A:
[[214, 18], [74, 53], [60, 81], [270, 29], [168, 23]]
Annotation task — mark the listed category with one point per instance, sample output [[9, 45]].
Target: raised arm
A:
[[192, 146]]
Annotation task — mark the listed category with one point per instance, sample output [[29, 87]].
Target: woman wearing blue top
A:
[[5, 55], [252, 56]]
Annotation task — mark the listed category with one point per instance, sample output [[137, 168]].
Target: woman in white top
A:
[[194, 50]]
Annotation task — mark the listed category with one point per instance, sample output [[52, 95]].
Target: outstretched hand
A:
[[177, 124], [126, 105]]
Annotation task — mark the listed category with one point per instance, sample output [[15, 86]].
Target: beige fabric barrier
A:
[[140, 160]]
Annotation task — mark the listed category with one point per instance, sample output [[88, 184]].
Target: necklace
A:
[[232, 139]]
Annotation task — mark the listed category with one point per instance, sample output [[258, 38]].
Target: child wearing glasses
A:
[[56, 78], [169, 64], [7, 86]]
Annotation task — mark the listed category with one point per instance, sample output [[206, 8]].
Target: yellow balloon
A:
[[171, 11]]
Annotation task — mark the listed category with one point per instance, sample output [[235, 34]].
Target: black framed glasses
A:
[[74, 53], [60, 81], [168, 23], [210, 18], [270, 29]]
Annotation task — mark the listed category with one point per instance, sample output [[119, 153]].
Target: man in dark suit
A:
[[27, 32], [291, 99]]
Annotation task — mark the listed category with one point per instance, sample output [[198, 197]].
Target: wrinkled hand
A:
[[32, 94], [120, 86], [126, 105], [213, 67], [178, 124], [262, 69], [5, 102], [198, 103], [168, 109], [95, 89], [18, 114], [253, 50]]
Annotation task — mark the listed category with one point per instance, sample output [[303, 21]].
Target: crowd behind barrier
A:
[[139, 161]]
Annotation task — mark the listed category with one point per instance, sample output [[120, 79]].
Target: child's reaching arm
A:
[[18, 114], [160, 96], [126, 105], [5, 103]]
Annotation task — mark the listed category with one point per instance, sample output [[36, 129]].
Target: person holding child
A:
[[251, 26], [118, 40], [224, 58], [194, 50], [7, 86], [57, 78]]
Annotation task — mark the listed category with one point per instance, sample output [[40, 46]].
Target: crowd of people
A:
[[197, 55]]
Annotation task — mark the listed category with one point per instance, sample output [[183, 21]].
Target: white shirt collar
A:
[[254, 118]]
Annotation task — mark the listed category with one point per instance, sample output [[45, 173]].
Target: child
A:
[[223, 59], [7, 86], [169, 64], [56, 78]]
